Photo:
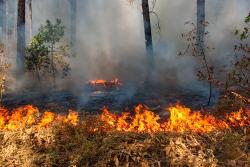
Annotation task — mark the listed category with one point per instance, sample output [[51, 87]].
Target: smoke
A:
[[110, 37], [224, 17]]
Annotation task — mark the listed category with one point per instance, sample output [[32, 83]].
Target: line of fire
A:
[[124, 83]]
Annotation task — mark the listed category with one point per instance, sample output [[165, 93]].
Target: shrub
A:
[[45, 56]]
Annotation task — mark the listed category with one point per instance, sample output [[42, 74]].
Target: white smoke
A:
[[110, 36]]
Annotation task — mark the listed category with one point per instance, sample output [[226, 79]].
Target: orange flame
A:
[[22, 117], [103, 82], [240, 118], [181, 119], [28, 116], [72, 118], [47, 118]]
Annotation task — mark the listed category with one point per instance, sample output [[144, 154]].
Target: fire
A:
[[47, 118], [102, 82], [28, 116], [21, 117], [72, 118], [181, 119], [240, 118], [143, 121]]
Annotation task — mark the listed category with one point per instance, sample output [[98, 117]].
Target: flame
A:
[[144, 120], [47, 118], [240, 118], [181, 119], [108, 117], [28, 116], [72, 118], [103, 82], [22, 117]]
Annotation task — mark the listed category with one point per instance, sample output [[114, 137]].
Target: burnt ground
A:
[[92, 99]]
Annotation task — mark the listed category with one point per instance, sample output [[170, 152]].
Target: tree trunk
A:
[[148, 38], [200, 25], [73, 26], [29, 18], [20, 37], [3, 19], [201, 20]]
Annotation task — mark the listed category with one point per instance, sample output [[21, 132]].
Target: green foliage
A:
[[45, 55]]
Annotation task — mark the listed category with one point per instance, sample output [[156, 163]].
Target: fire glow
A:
[[101, 82], [29, 116], [181, 119]]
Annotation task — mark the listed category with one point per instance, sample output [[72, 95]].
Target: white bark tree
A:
[[73, 12], [20, 37]]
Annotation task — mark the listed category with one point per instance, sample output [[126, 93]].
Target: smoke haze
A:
[[110, 37]]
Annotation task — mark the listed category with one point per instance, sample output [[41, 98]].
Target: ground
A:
[[91, 142], [89, 99]]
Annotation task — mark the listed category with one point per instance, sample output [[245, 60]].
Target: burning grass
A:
[[29, 116], [181, 119], [102, 82], [28, 138]]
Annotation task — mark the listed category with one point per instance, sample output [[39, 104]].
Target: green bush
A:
[[45, 56]]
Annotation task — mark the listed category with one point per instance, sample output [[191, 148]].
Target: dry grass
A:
[[66, 145]]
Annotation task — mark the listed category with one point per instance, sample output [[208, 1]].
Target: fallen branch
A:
[[241, 97]]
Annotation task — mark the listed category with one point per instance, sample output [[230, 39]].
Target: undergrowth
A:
[[82, 145]]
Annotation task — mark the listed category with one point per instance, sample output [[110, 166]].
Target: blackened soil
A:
[[92, 100]]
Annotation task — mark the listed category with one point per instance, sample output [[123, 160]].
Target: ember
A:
[[101, 82]]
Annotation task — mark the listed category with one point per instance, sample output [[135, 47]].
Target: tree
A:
[[148, 37], [29, 18], [1, 14], [45, 55], [20, 37], [200, 46], [73, 26], [200, 25], [239, 77], [3, 18], [206, 72], [4, 67]]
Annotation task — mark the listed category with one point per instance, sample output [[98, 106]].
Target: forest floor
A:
[[63, 144], [118, 98]]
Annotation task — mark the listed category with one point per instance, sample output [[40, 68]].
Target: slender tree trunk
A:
[[200, 25], [73, 26], [20, 37], [148, 38], [201, 19], [29, 18], [53, 68], [3, 19]]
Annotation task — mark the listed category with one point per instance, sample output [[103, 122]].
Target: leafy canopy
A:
[[45, 54]]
